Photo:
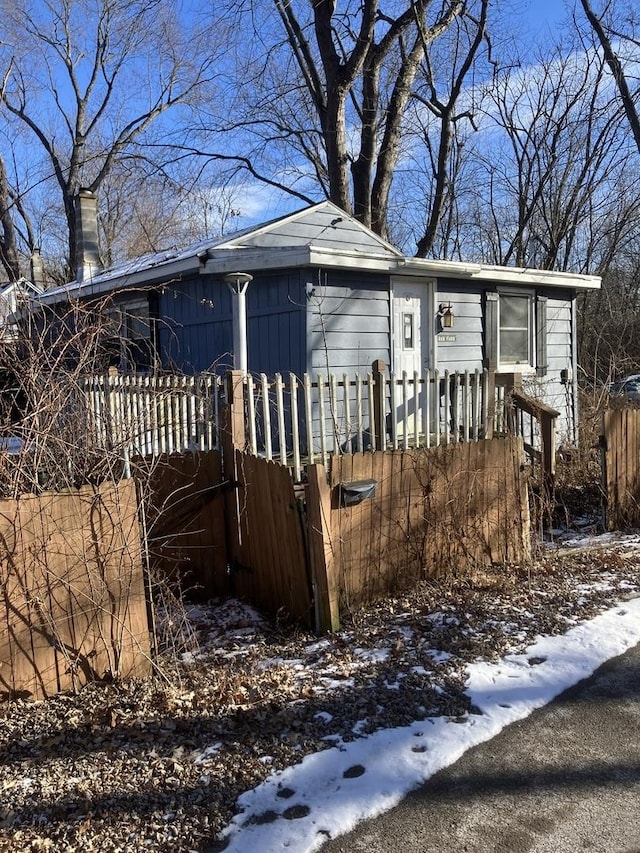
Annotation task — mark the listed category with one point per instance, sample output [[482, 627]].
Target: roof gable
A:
[[22, 285], [323, 225]]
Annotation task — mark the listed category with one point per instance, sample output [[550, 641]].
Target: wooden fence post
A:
[[490, 404], [322, 557], [233, 440], [378, 369], [548, 435], [235, 424]]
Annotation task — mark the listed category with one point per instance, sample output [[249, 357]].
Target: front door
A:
[[411, 347], [410, 328]]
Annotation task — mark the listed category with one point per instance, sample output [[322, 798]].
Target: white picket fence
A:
[[149, 415], [302, 420], [293, 420]]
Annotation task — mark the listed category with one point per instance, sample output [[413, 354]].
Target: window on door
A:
[[408, 342]]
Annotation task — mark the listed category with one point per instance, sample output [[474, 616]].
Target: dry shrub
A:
[[49, 443]]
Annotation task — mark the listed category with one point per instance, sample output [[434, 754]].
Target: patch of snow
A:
[[325, 716], [336, 788], [372, 655]]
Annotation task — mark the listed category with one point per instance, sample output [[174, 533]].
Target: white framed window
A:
[[516, 330]]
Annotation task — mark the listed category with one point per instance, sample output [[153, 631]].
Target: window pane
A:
[[514, 346], [138, 325], [407, 331], [112, 322], [514, 312]]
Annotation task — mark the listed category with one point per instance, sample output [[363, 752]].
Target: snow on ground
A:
[[260, 734], [329, 792]]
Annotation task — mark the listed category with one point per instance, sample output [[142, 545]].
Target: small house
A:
[[315, 291], [14, 295]]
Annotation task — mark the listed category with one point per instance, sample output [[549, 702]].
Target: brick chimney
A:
[[87, 255], [37, 271]]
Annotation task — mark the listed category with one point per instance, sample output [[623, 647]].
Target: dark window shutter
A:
[[491, 331], [541, 335]]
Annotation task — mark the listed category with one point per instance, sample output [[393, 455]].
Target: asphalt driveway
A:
[[566, 779]]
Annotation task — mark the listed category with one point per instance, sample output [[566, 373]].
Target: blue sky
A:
[[540, 16]]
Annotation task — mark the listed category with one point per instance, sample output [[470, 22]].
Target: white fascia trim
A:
[[148, 277], [517, 276], [548, 278], [230, 260], [436, 269]]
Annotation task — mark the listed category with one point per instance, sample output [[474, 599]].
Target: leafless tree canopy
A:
[[83, 84], [616, 28], [420, 118], [330, 90]]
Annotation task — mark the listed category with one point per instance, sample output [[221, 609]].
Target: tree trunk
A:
[[8, 244]]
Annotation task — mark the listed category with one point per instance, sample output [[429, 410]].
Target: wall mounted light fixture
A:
[[446, 315]]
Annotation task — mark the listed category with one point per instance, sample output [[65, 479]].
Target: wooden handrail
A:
[[531, 406], [546, 417]]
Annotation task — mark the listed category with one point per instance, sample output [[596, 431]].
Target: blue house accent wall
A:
[[348, 317], [194, 331], [192, 336]]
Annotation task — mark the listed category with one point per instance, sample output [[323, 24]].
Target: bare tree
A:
[[324, 98], [8, 239], [89, 78], [470, 35], [151, 209], [608, 27], [549, 173]]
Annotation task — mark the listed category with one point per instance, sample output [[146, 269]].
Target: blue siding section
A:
[[465, 352], [550, 388], [348, 318], [337, 322], [276, 306], [195, 336]]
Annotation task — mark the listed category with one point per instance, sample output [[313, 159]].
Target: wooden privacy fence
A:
[[434, 512], [183, 496], [299, 550], [73, 606], [621, 464]]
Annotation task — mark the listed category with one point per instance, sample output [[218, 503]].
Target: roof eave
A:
[[500, 275], [251, 260], [149, 276]]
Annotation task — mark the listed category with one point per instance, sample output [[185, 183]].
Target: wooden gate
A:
[[267, 550]]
